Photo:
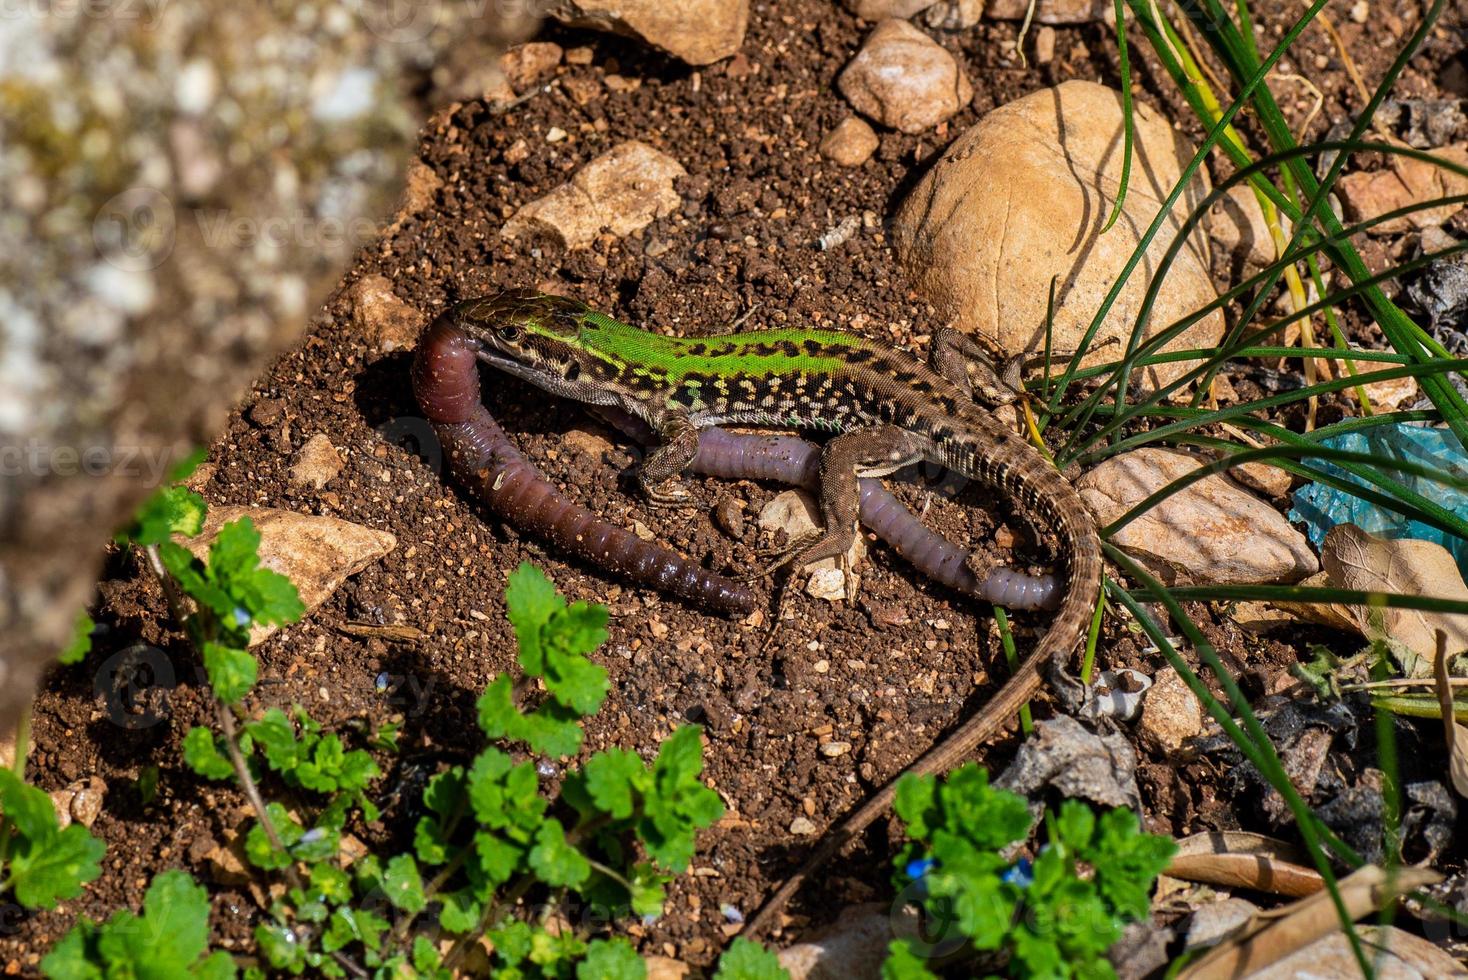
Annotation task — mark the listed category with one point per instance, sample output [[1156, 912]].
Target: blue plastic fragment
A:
[[1321, 507]]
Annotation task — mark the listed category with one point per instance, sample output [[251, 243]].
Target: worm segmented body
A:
[[792, 460], [481, 456]]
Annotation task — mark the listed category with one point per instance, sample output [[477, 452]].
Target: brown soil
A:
[[888, 676]]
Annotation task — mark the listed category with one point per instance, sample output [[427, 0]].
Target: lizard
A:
[[885, 410]]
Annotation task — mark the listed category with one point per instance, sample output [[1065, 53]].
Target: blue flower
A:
[[919, 867], [1020, 874]]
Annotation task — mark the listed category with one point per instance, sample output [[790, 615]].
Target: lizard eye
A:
[[509, 334]]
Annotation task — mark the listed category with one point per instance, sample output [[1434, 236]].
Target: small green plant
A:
[[501, 869], [41, 863], [1053, 917], [170, 939]]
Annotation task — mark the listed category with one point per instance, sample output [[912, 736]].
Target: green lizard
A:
[[885, 408]]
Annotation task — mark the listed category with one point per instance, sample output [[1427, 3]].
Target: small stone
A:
[[317, 462], [86, 800], [517, 152], [526, 64], [1406, 181], [698, 31], [828, 584], [1212, 531], [1171, 712], [643, 531], [1360, 11], [227, 864], [316, 553], [882, 9], [586, 443], [385, 321], [1259, 476], [555, 134], [583, 91], [904, 79], [851, 143], [580, 56], [833, 750], [1236, 223], [954, 15], [266, 412], [1045, 45], [1392, 395], [729, 515], [802, 827], [1049, 11], [622, 83], [623, 190]]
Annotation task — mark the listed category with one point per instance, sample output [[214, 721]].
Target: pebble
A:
[[623, 190], [1045, 45], [382, 318], [954, 15], [1213, 531], [1370, 194], [266, 412], [699, 32], [978, 233], [526, 64], [80, 801], [904, 79], [802, 827], [317, 462], [834, 750], [851, 143], [729, 515], [555, 134], [643, 531], [1236, 223], [1049, 11], [796, 513], [875, 10], [316, 553], [517, 152], [1360, 11], [1171, 712]]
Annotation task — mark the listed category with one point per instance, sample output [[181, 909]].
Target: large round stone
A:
[[1022, 198]]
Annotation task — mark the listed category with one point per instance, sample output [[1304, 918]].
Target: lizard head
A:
[[535, 336]]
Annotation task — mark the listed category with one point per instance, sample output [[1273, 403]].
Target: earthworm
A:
[[481, 456], [788, 459]]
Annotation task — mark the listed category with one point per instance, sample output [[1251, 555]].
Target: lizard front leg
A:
[[863, 452], [959, 358], [659, 472]]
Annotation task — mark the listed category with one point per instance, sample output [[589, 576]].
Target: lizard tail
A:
[[1047, 493]]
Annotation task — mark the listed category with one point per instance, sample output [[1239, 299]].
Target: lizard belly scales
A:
[[885, 408]]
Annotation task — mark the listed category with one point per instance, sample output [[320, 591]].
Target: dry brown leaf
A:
[[1268, 940], [1329, 614], [1454, 734], [1356, 559], [1238, 859]]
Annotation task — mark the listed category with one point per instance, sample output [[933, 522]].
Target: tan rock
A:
[[386, 321], [698, 31], [1021, 198], [1045, 45], [1171, 712], [1236, 223], [1211, 532], [80, 802], [1049, 11], [852, 947], [1406, 181], [1392, 395], [1396, 954], [904, 79], [851, 143], [624, 190], [883, 9], [954, 15], [316, 553], [665, 968], [526, 64], [317, 462], [1262, 477], [796, 513]]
